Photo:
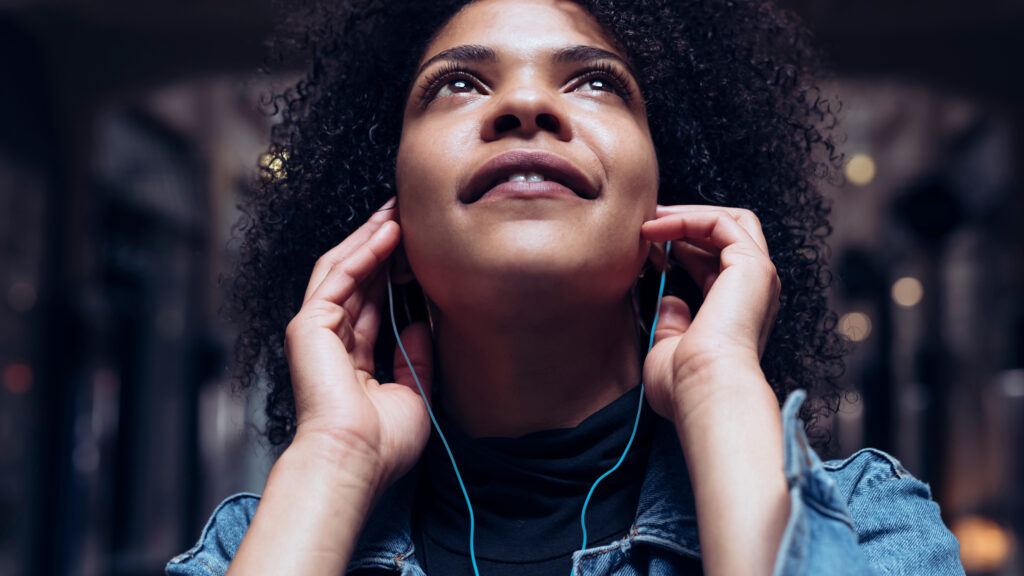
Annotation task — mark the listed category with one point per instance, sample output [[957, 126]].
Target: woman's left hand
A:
[[725, 251], [704, 374]]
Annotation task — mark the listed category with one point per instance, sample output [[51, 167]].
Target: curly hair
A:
[[735, 114]]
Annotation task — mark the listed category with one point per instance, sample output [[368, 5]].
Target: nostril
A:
[[548, 123], [505, 123]]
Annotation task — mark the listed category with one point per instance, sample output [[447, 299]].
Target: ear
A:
[[401, 272], [656, 258]]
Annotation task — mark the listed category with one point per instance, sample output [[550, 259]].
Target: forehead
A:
[[522, 27]]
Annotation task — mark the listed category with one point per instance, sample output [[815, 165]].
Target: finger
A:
[[700, 264], [752, 224], [712, 230], [322, 315], [746, 218], [344, 277], [348, 246], [314, 360], [367, 324], [674, 319], [417, 343], [345, 330]]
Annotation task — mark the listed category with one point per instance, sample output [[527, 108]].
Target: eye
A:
[[450, 80], [599, 84], [604, 78], [455, 86]]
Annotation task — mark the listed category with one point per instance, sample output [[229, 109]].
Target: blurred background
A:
[[130, 130]]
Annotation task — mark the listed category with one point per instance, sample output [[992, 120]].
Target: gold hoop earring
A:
[[637, 315], [430, 316]]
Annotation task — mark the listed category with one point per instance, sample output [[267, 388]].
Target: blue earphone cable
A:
[[636, 423], [458, 476]]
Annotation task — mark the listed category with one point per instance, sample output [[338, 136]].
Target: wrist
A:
[[314, 506], [706, 387], [342, 465], [733, 445]]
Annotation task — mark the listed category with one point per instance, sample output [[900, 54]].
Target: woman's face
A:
[[526, 163]]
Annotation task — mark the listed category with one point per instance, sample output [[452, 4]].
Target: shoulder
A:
[[868, 499], [869, 470], [897, 523], [867, 474], [219, 540]]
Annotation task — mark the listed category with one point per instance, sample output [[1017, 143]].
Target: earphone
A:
[[444, 441]]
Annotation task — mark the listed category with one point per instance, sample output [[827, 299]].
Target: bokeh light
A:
[[984, 544], [855, 326], [860, 170], [907, 291], [17, 378]]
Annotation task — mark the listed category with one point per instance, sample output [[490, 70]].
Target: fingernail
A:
[[389, 204], [381, 231]]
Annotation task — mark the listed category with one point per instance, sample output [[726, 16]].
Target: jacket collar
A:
[[666, 515]]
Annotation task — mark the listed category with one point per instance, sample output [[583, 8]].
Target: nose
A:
[[525, 111]]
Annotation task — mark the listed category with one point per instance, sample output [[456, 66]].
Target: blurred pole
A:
[[932, 366], [1013, 377], [866, 279], [931, 211], [55, 348], [56, 360]]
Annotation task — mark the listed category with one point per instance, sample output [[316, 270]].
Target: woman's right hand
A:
[[329, 344]]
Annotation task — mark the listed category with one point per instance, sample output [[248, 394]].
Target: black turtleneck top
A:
[[528, 492]]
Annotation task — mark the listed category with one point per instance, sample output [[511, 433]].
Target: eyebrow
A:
[[581, 54], [570, 55], [466, 53]]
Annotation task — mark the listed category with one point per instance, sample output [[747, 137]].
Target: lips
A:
[[541, 169]]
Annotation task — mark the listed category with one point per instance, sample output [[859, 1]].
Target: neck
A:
[[512, 374]]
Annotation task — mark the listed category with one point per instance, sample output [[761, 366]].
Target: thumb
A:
[[417, 343], [673, 319]]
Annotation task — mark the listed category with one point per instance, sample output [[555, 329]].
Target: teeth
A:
[[526, 177]]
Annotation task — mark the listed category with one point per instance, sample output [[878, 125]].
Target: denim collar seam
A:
[[180, 558], [670, 533], [830, 512], [383, 562], [385, 559], [835, 466], [600, 551], [668, 543]]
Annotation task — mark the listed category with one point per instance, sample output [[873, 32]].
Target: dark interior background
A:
[[130, 128]]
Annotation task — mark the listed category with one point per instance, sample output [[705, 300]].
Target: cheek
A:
[[418, 182], [633, 168], [628, 153], [426, 176], [430, 158]]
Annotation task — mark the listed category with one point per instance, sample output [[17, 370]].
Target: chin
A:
[[534, 278], [482, 263]]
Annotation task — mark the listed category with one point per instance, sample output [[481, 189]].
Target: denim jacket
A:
[[862, 515]]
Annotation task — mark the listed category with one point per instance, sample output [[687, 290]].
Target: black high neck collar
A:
[[528, 492]]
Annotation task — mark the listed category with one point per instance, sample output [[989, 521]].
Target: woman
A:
[[542, 152]]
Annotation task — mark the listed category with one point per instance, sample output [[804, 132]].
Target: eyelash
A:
[[436, 80], [619, 80]]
